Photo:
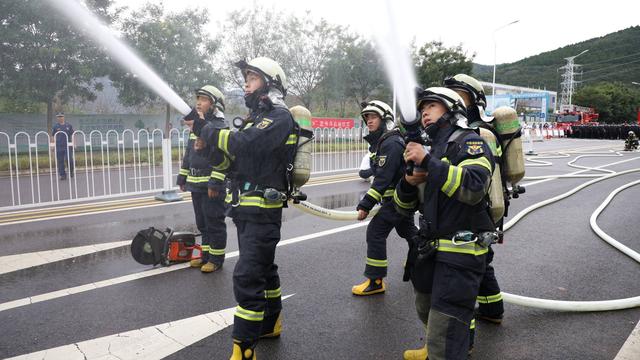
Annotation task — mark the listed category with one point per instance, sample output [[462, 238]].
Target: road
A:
[[551, 253]]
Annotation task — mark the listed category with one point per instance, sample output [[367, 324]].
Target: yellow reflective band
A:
[[388, 193], [473, 324], [257, 201], [469, 249], [223, 140], [377, 263], [248, 314], [205, 248], [489, 299], [374, 194], [272, 294], [483, 161], [445, 159], [372, 155], [224, 165], [197, 179], [192, 136], [454, 179], [293, 138], [216, 251], [218, 176], [499, 151], [404, 205], [184, 172]]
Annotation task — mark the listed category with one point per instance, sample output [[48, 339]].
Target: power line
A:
[[612, 66], [612, 73], [610, 60]]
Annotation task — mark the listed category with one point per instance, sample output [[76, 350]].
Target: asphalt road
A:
[[551, 253]]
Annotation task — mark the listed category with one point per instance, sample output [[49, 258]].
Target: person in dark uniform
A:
[[203, 173], [448, 261], [63, 134], [490, 304], [386, 146], [261, 154]]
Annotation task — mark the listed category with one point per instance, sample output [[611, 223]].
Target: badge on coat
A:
[[264, 124], [382, 160], [474, 147]]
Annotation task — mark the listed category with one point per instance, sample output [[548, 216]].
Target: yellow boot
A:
[[417, 354], [270, 332], [243, 350], [196, 263], [369, 287], [210, 267]]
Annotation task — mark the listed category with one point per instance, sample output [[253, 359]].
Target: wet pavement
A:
[[551, 253]]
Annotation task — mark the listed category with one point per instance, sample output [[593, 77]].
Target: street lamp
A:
[[495, 59]]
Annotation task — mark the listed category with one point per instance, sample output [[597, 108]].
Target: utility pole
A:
[[568, 83]]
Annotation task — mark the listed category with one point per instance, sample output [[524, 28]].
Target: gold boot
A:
[[417, 354], [243, 350], [210, 267], [369, 287], [273, 332], [196, 263]]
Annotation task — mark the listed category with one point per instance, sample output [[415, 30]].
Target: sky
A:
[[543, 25]]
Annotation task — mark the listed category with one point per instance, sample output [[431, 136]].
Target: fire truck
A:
[[575, 114]]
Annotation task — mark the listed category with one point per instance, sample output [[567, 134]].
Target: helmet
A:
[[468, 84], [268, 69], [380, 108], [449, 98], [212, 92], [631, 133]]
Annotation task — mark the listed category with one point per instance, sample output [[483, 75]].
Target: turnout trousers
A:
[[256, 284], [210, 222], [445, 301], [377, 232], [489, 296]]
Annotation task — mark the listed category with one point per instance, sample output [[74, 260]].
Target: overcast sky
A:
[[543, 24]]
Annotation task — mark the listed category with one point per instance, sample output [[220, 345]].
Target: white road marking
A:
[[156, 271], [150, 343], [17, 262], [631, 348]]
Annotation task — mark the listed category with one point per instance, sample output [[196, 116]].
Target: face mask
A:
[[252, 101]]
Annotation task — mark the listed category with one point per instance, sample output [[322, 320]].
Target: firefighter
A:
[[631, 143], [490, 304], [386, 146], [261, 154], [447, 261], [203, 173]]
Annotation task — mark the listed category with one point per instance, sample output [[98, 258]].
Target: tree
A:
[[301, 45], [434, 62], [353, 74], [43, 59], [176, 46], [614, 101]]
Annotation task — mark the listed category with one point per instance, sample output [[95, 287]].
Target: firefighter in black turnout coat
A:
[[261, 152], [203, 173], [386, 146], [448, 261]]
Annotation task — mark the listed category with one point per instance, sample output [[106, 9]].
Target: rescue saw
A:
[[152, 247]]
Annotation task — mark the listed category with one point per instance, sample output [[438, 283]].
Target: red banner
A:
[[332, 123]]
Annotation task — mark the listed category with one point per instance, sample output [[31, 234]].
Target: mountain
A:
[[613, 57]]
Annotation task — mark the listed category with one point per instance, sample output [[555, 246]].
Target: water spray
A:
[[93, 28]]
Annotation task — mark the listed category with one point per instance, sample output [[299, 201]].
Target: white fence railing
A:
[[120, 163]]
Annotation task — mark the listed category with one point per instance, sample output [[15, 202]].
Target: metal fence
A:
[[108, 164]]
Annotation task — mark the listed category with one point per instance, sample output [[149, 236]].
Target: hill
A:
[[613, 57]]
